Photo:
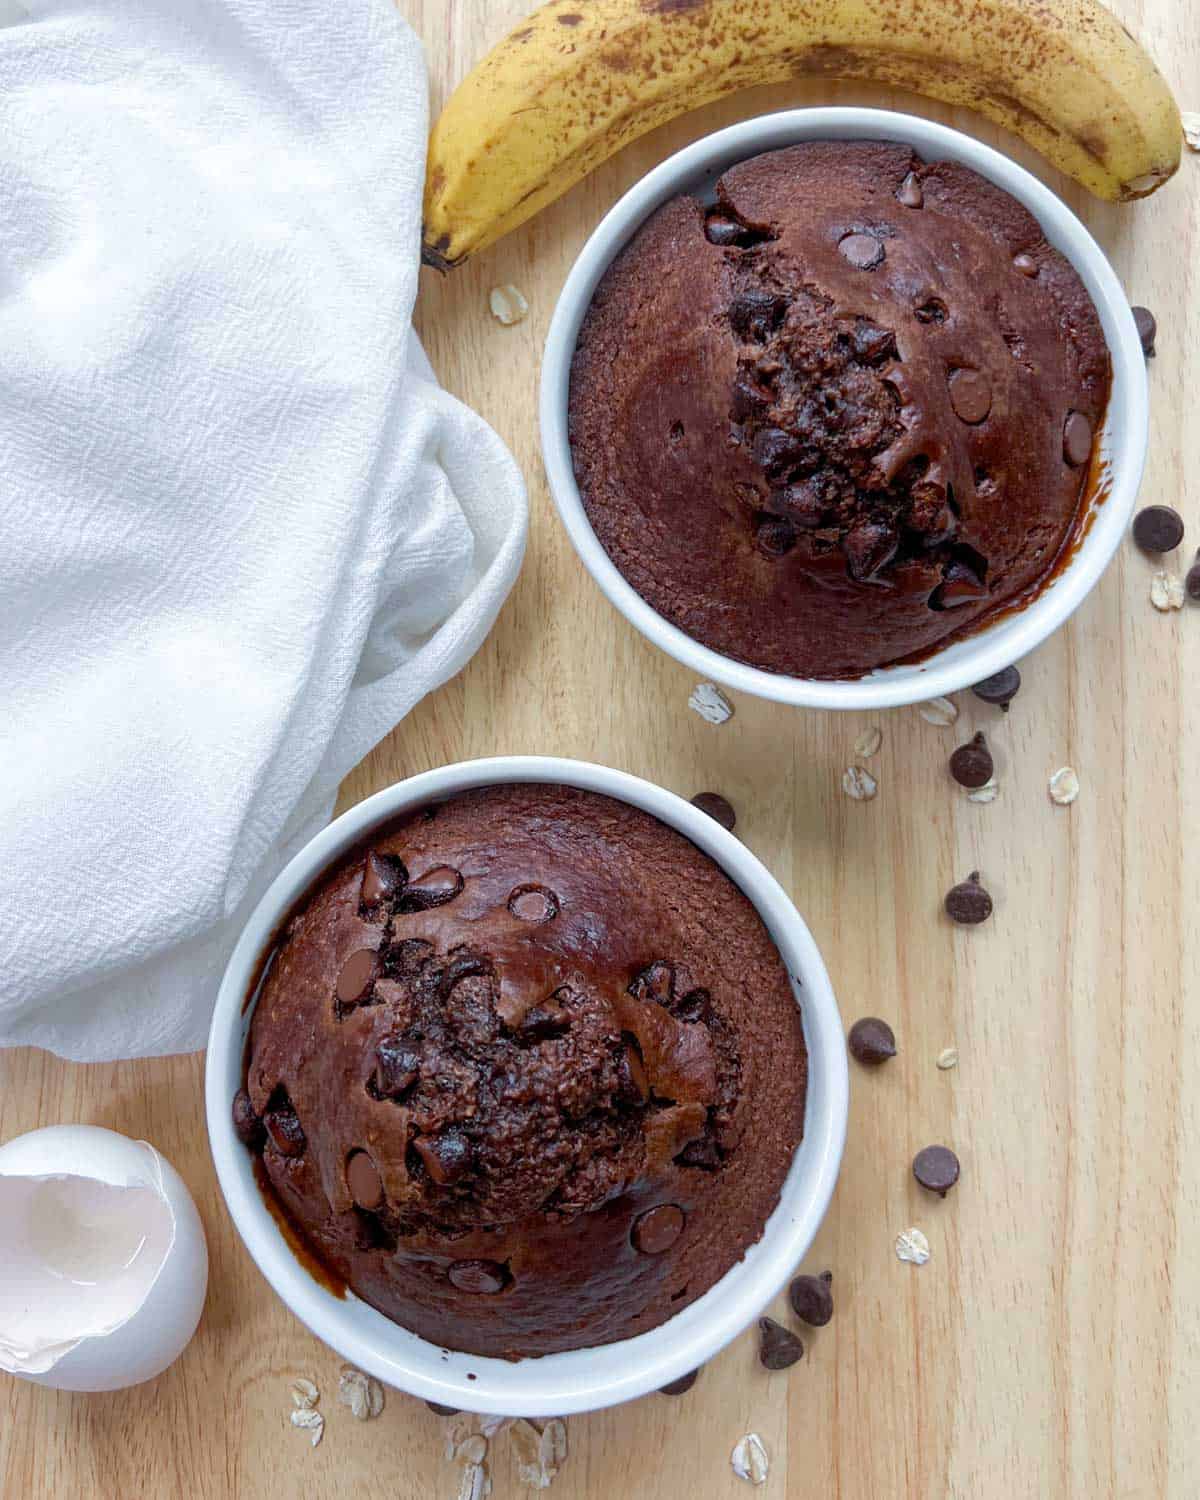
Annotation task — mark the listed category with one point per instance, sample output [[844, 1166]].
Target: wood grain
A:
[[1051, 1347]]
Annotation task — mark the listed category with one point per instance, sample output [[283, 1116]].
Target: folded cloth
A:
[[243, 531]]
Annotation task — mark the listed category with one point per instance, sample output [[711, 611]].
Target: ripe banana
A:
[[582, 78]]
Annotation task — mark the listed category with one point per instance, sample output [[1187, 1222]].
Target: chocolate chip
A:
[[776, 450], [750, 400], [1000, 688], [756, 313], [1077, 439], [869, 547], [971, 765], [1158, 528], [635, 1085], [778, 1348], [681, 1386], [1025, 264], [872, 1040], [970, 395], [812, 1298], [863, 251], [442, 1411], [775, 537], [362, 1178], [657, 1229], [246, 1125], [283, 1126], [720, 229], [357, 975], [716, 807], [1191, 583], [911, 193], [871, 343], [533, 903], [960, 585], [396, 1067], [434, 888], [803, 503], [484, 1277], [1147, 329], [932, 311], [936, 1168], [968, 903], [703, 1153], [447, 1157], [383, 877], [656, 982]]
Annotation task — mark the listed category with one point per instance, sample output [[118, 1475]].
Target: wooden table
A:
[[1051, 1346]]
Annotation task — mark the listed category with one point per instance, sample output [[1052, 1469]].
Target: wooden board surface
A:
[[1051, 1347]]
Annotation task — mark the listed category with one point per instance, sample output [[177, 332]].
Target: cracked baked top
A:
[[526, 1071], [840, 415]]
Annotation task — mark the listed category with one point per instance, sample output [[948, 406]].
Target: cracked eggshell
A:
[[75, 1202]]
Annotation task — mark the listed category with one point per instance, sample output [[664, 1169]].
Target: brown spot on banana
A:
[[533, 118]]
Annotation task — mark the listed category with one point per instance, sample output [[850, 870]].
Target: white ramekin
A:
[[584, 1379], [1123, 437]]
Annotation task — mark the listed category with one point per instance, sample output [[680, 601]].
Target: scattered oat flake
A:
[[491, 1425], [476, 1485], [1191, 128], [858, 784], [527, 1444], [1166, 590], [939, 711], [988, 792], [472, 1450], [710, 703], [912, 1246], [362, 1393], [868, 742], [1064, 786], [749, 1459], [947, 1058], [458, 1429], [552, 1449], [508, 304], [304, 1394], [310, 1421]]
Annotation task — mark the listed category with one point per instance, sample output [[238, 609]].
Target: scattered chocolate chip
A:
[[869, 547], [396, 1068], [658, 1228], [246, 1125], [1191, 583], [911, 193], [533, 903], [936, 1168], [434, 888], [1000, 688], [778, 1348], [384, 877], [1077, 439], [1147, 329], [863, 251], [357, 976], [812, 1298], [970, 395], [447, 1157], [681, 1386], [283, 1126], [968, 903], [716, 807], [442, 1411], [1158, 528], [480, 1276], [1025, 264], [872, 1040], [362, 1178], [756, 313], [971, 765], [775, 537]]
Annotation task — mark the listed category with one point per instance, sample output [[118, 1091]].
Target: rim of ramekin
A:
[[1123, 436], [597, 1376]]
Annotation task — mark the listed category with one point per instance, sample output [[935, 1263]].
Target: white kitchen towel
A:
[[242, 531]]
